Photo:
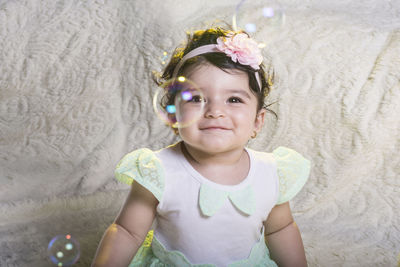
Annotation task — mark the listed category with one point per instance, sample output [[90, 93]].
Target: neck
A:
[[198, 157]]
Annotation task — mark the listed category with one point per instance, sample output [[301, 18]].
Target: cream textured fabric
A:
[[75, 95]]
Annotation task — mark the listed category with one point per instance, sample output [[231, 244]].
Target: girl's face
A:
[[230, 114]]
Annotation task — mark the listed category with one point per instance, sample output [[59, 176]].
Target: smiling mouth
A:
[[213, 128]]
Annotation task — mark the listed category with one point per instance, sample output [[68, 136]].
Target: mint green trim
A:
[[158, 256], [259, 256], [172, 258], [212, 199], [293, 172], [244, 199], [143, 167]]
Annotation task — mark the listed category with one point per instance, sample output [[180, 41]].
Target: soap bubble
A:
[[178, 102], [63, 250], [254, 18], [164, 58]]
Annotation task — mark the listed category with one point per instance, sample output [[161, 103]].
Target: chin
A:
[[213, 146]]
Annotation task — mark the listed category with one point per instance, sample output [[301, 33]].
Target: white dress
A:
[[203, 223]]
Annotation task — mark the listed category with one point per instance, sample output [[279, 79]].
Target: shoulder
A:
[[169, 153], [260, 157]]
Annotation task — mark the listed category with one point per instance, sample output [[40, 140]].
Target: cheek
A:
[[186, 132], [182, 131], [188, 113], [245, 117]]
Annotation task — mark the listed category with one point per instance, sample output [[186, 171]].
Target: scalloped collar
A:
[[212, 199], [213, 195]]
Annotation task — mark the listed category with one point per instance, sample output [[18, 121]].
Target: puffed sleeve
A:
[[293, 172], [144, 167]]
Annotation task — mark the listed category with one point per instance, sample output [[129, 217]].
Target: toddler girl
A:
[[208, 199]]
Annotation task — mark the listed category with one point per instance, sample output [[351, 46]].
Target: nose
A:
[[213, 110]]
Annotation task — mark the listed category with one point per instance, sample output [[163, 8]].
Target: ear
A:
[[259, 122]]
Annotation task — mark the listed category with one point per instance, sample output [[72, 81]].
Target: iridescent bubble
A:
[[255, 18], [63, 250], [178, 102], [250, 27], [164, 58], [171, 109]]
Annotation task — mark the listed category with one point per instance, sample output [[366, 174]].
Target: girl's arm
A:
[[123, 238], [283, 237]]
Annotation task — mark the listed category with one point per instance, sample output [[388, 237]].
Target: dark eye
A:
[[235, 100], [190, 96], [196, 99]]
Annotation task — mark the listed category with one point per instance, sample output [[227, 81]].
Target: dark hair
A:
[[220, 60]]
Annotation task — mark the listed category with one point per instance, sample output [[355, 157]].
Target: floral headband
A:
[[239, 47]]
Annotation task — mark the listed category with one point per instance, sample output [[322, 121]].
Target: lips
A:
[[213, 127]]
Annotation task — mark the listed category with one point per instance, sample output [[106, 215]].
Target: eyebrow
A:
[[235, 91], [240, 92]]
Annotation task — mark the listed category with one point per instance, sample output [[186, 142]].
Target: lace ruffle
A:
[[293, 172], [145, 168]]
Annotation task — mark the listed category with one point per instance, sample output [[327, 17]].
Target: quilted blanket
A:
[[76, 92]]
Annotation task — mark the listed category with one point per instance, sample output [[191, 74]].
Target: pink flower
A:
[[242, 49]]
